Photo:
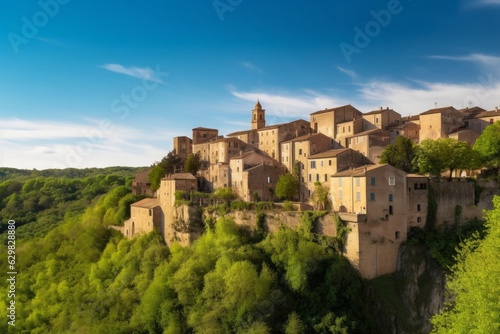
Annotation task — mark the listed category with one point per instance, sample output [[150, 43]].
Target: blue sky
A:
[[90, 84]]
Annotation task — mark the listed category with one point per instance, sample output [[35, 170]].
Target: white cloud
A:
[[144, 73], [482, 3], [290, 105], [350, 73], [45, 144], [477, 58], [252, 67]]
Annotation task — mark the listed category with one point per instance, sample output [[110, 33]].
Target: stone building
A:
[[141, 185], [408, 127], [327, 121], [183, 146], [439, 123], [370, 143], [417, 192], [380, 119], [372, 200], [145, 216]]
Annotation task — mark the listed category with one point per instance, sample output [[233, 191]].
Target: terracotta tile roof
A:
[[147, 203], [437, 110], [334, 109], [360, 171], [329, 153], [180, 176]]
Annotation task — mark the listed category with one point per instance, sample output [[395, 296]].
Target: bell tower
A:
[[258, 117]]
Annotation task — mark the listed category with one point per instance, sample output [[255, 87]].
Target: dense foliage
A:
[[168, 165], [287, 186], [401, 154], [488, 145], [81, 276], [475, 284]]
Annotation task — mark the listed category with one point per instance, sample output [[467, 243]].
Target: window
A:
[[340, 193], [376, 120], [313, 164], [419, 208], [390, 198], [340, 182], [237, 169], [396, 235], [423, 186], [419, 219], [310, 178], [372, 196], [326, 177], [329, 162], [300, 151], [254, 116], [268, 179], [415, 186], [372, 181], [391, 211], [349, 128], [321, 163], [392, 180], [317, 177], [260, 116], [343, 129], [358, 196], [357, 182], [150, 212]]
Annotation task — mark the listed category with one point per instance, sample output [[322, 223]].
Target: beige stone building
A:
[[418, 192], [244, 181], [439, 123], [380, 119], [408, 127], [141, 185], [223, 149], [298, 150], [373, 201], [370, 143], [183, 146], [145, 216], [327, 121], [322, 166]]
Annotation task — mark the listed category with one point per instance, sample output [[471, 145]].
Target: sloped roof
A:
[[369, 132], [333, 109], [237, 133], [378, 111], [437, 110], [360, 171], [147, 203], [204, 129], [329, 153], [180, 176]]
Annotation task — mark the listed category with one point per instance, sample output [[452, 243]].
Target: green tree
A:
[[170, 164], [192, 164], [475, 284], [294, 325], [436, 156], [287, 187], [321, 196], [488, 145], [401, 154], [225, 195]]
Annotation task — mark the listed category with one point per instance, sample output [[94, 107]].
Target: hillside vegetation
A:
[[77, 275]]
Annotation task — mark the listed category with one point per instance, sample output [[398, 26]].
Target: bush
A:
[[288, 206], [264, 206], [239, 205]]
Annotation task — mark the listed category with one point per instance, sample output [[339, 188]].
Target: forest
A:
[[75, 274]]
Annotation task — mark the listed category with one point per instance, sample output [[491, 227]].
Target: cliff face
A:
[[406, 301]]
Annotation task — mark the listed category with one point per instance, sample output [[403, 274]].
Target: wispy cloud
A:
[[478, 58], [144, 73], [350, 73], [252, 67], [483, 3], [290, 104], [46, 144]]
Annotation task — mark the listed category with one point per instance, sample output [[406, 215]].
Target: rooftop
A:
[[180, 176], [329, 153], [438, 110], [360, 171], [334, 109], [147, 203]]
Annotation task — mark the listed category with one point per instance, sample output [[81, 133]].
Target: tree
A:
[[192, 164], [488, 145], [401, 154], [321, 196], [287, 186], [474, 283], [437, 156], [224, 194], [294, 325], [170, 164]]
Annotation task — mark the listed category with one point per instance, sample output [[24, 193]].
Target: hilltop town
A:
[[341, 149]]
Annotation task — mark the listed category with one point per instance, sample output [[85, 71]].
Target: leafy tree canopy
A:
[[170, 164], [401, 154], [488, 144], [193, 163], [287, 187]]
